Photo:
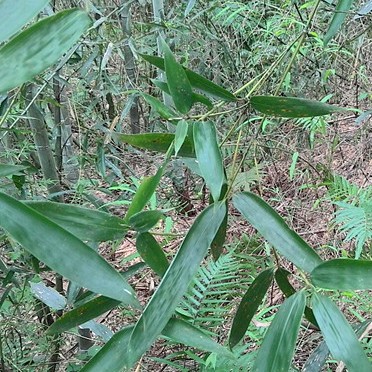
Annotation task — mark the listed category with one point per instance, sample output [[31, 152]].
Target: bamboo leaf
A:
[[86, 224], [219, 239], [273, 228], [151, 253], [111, 356], [15, 14], [291, 107], [10, 169], [195, 96], [197, 81], [62, 251], [176, 329], [180, 135], [277, 349], [158, 142], [178, 83], [339, 336], [82, 314], [143, 194], [249, 305], [342, 8], [281, 278], [164, 111], [49, 296], [183, 332], [145, 220], [176, 280], [209, 157], [343, 274], [167, 296], [40, 46]]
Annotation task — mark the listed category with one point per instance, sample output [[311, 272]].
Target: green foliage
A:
[[245, 46]]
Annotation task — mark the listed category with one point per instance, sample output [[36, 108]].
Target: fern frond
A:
[[356, 222], [208, 299], [340, 189]]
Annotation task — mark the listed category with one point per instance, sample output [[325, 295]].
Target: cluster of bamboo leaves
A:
[[57, 234]]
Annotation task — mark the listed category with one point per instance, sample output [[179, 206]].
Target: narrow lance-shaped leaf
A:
[[219, 240], [197, 81], [342, 8], [249, 305], [209, 157], [167, 296], [15, 14], [164, 111], [157, 142], [343, 274], [62, 251], [40, 46], [195, 96], [180, 135], [183, 332], [178, 83], [143, 194], [281, 278], [176, 329], [49, 296], [339, 336], [88, 310], [145, 220], [151, 253], [10, 169], [291, 107], [86, 224], [82, 314], [273, 228], [319, 356], [176, 280], [277, 349]]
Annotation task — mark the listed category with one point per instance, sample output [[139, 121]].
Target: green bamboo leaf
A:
[[281, 278], [40, 46], [339, 336], [291, 107], [164, 111], [10, 169], [62, 251], [157, 142], [178, 83], [209, 157], [195, 96], [249, 305], [143, 194], [176, 280], [197, 81], [342, 8], [111, 356], [167, 296], [151, 253], [343, 274], [277, 349], [176, 329], [319, 356], [219, 239], [145, 220], [15, 14], [86, 224], [183, 332], [49, 296], [274, 229], [82, 314], [180, 135]]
